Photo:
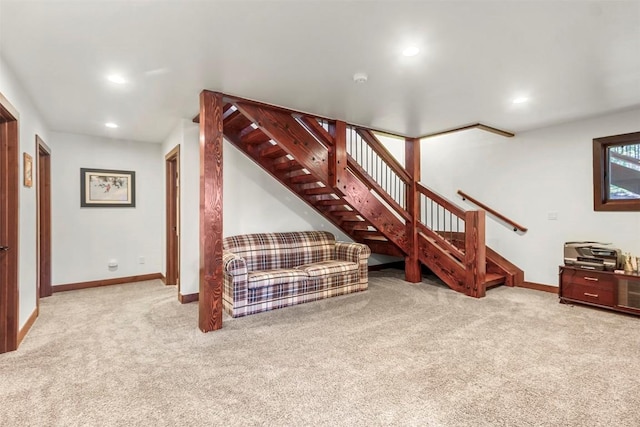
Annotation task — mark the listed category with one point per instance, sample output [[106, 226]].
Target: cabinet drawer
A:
[[587, 278], [597, 293]]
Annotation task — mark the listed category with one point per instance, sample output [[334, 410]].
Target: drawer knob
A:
[[592, 279], [587, 294]]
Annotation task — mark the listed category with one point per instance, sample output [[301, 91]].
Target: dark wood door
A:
[[172, 167], [9, 188], [43, 187]]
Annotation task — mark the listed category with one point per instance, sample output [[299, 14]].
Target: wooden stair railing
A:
[[349, 176], [497, 215], [452, 243]]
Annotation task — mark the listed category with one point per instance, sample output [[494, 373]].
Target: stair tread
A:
[[253, 136], [318, 190], [290, 165], [272, 152], [378, 238], [494, 279], [331, 202], [344, 213], [303, 179]]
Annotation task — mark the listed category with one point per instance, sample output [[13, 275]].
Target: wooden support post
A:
[[338, 156], [412, 161], [475, 254], [211, 134]]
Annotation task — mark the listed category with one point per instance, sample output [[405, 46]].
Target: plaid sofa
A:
[[273, 270]]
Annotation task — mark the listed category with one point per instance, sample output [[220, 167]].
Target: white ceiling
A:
[[572, 59]]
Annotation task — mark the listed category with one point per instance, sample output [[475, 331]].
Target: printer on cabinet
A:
[[591, 255]]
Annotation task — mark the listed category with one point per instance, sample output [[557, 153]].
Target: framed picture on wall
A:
[[28, 169], [102, 188]]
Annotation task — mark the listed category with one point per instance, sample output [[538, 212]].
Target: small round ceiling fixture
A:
[[520, 100], [411, 51], [360, 78], [111, 125], [116, 78]]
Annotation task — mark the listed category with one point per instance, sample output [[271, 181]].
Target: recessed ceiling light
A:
[[360, 78], [520, 100], [410, 51], [116, 78], [111, 125]]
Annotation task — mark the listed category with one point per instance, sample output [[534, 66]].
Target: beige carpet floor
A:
[[398, 354]]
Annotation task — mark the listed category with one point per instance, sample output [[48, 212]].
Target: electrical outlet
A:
[[141, 260], [552, 216]]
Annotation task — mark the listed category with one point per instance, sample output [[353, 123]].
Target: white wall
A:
[[85, 239], [254, 202], [30, 124], [529, 176]]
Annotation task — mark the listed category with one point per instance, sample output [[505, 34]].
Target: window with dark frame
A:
[[616, 173]]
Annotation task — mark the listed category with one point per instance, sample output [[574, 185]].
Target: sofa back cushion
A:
[[270, 251]]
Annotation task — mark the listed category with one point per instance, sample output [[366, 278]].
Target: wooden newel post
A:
[[412, 269], [338, 156], [211, 138], [475, 254]]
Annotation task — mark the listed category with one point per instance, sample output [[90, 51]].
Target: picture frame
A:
[[107, 188], [28, 170]]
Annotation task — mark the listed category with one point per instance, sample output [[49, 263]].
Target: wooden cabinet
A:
[[620, 292]]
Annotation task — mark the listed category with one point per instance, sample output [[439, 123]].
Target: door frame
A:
[[9, 235], [172, 201], [43, 225]]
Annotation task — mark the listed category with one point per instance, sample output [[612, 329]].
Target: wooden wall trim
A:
[[27, 326], [186, 299], [473, 126], [105, 282], [538, 287]]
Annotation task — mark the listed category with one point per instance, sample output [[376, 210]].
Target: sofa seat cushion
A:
[[261, 278], [328, 268]]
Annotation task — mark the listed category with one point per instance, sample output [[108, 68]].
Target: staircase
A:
[[346, 174]]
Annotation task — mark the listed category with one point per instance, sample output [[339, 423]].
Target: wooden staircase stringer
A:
[[442, 264], [319, 201]]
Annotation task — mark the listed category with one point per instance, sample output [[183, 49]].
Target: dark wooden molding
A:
[[186, 299], [9, 225], [172, 215], [43, 220], [211, 140], [27, 326], [538, 287], [163, 279], [468, 127], [105, 282], [601, 200], [515, 226], [8, 112]]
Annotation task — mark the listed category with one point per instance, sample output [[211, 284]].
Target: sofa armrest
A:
[[358, 253], [354, 252], [233, 264], [235, 286]]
